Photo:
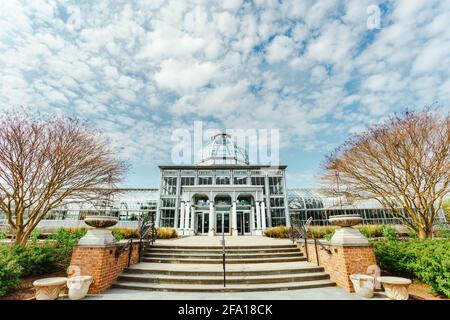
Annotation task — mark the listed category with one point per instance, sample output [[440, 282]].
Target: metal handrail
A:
[[223, 255], [147, 233]]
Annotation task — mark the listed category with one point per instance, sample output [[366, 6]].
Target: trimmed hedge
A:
[[326, 232], [427, 260], [166, 233]]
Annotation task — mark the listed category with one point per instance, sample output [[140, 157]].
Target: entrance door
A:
[[243, 222], [202, 226], [222, 220]]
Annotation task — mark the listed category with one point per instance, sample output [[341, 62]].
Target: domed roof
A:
[[222, 150]]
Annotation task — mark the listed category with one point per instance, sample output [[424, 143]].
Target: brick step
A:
[[219, 251], [219, 256], [209, 280], [228, 261], [220, 288]]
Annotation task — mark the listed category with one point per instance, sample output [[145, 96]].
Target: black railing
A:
[[223, 255], [299, 230], [147, 233]]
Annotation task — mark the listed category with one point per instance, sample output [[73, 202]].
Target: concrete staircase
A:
[[199, 269]]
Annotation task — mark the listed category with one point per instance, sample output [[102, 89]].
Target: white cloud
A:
[[279, 49], [182, 77], [140, 69]]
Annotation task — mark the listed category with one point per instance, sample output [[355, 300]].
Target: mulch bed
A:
[[25, 290], [421, 291]]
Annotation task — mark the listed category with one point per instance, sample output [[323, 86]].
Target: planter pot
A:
[[346, 235], [49, 288], [363, 284], [100, 236], [78, 286]]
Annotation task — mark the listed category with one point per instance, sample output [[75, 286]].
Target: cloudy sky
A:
[[316, 70]]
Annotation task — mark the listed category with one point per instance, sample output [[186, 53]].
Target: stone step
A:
[[220, 288], [219, 256], [219, 251], [282, 246], [213, 270], [208, 280], [228, 261]]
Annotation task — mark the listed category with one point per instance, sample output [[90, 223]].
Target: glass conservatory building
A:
[[222, 193]]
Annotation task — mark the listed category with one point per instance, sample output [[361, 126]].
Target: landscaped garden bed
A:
[[46, 256]]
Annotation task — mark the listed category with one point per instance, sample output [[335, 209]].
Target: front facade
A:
[[234, 199], [222, 194]]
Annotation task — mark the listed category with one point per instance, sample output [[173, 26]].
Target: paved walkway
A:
[[331, 293], [229, 241]]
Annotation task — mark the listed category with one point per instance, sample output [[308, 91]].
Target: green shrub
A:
[[166, 233], [34, 236], [427, 260], [280, 232], [36, 259], [65, 240], [10, 270], [328, 236], [3, 234], [389, 232]]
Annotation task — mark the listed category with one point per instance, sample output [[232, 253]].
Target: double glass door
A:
[[202, 225], [222, 222], [243, 222]]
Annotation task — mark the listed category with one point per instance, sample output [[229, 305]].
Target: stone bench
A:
[[49, 288], [396, 288]]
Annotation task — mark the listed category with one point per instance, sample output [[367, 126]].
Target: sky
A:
[[318, 71]]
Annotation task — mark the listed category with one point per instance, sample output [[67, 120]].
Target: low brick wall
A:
[[339, 261], [103, 263]]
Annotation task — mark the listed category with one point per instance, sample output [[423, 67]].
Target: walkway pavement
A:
[[331, 293]]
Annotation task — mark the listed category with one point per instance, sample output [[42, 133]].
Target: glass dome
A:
[[222, 150]]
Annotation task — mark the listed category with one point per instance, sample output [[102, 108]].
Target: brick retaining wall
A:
[[340, 261], [102, 264]]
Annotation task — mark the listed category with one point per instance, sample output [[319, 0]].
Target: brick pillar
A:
[[105, 264]]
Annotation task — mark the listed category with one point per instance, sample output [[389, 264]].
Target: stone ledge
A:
[[328, 243]]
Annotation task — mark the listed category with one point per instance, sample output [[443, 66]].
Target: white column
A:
[[211, 219], [182, 209], [187, 213], [192, 218], [258, 216], [252, 217], [234, 218], [263, 215]]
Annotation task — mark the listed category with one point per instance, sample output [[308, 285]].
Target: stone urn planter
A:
[[99, 236], [363, 284], [49, 288], [78, 286], [346, 234], [396, 288]]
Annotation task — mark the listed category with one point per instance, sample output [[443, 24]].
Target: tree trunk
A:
[[424, 233], [21, 236]]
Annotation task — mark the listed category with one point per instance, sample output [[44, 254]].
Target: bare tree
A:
[[403, 163], [46, 162]]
